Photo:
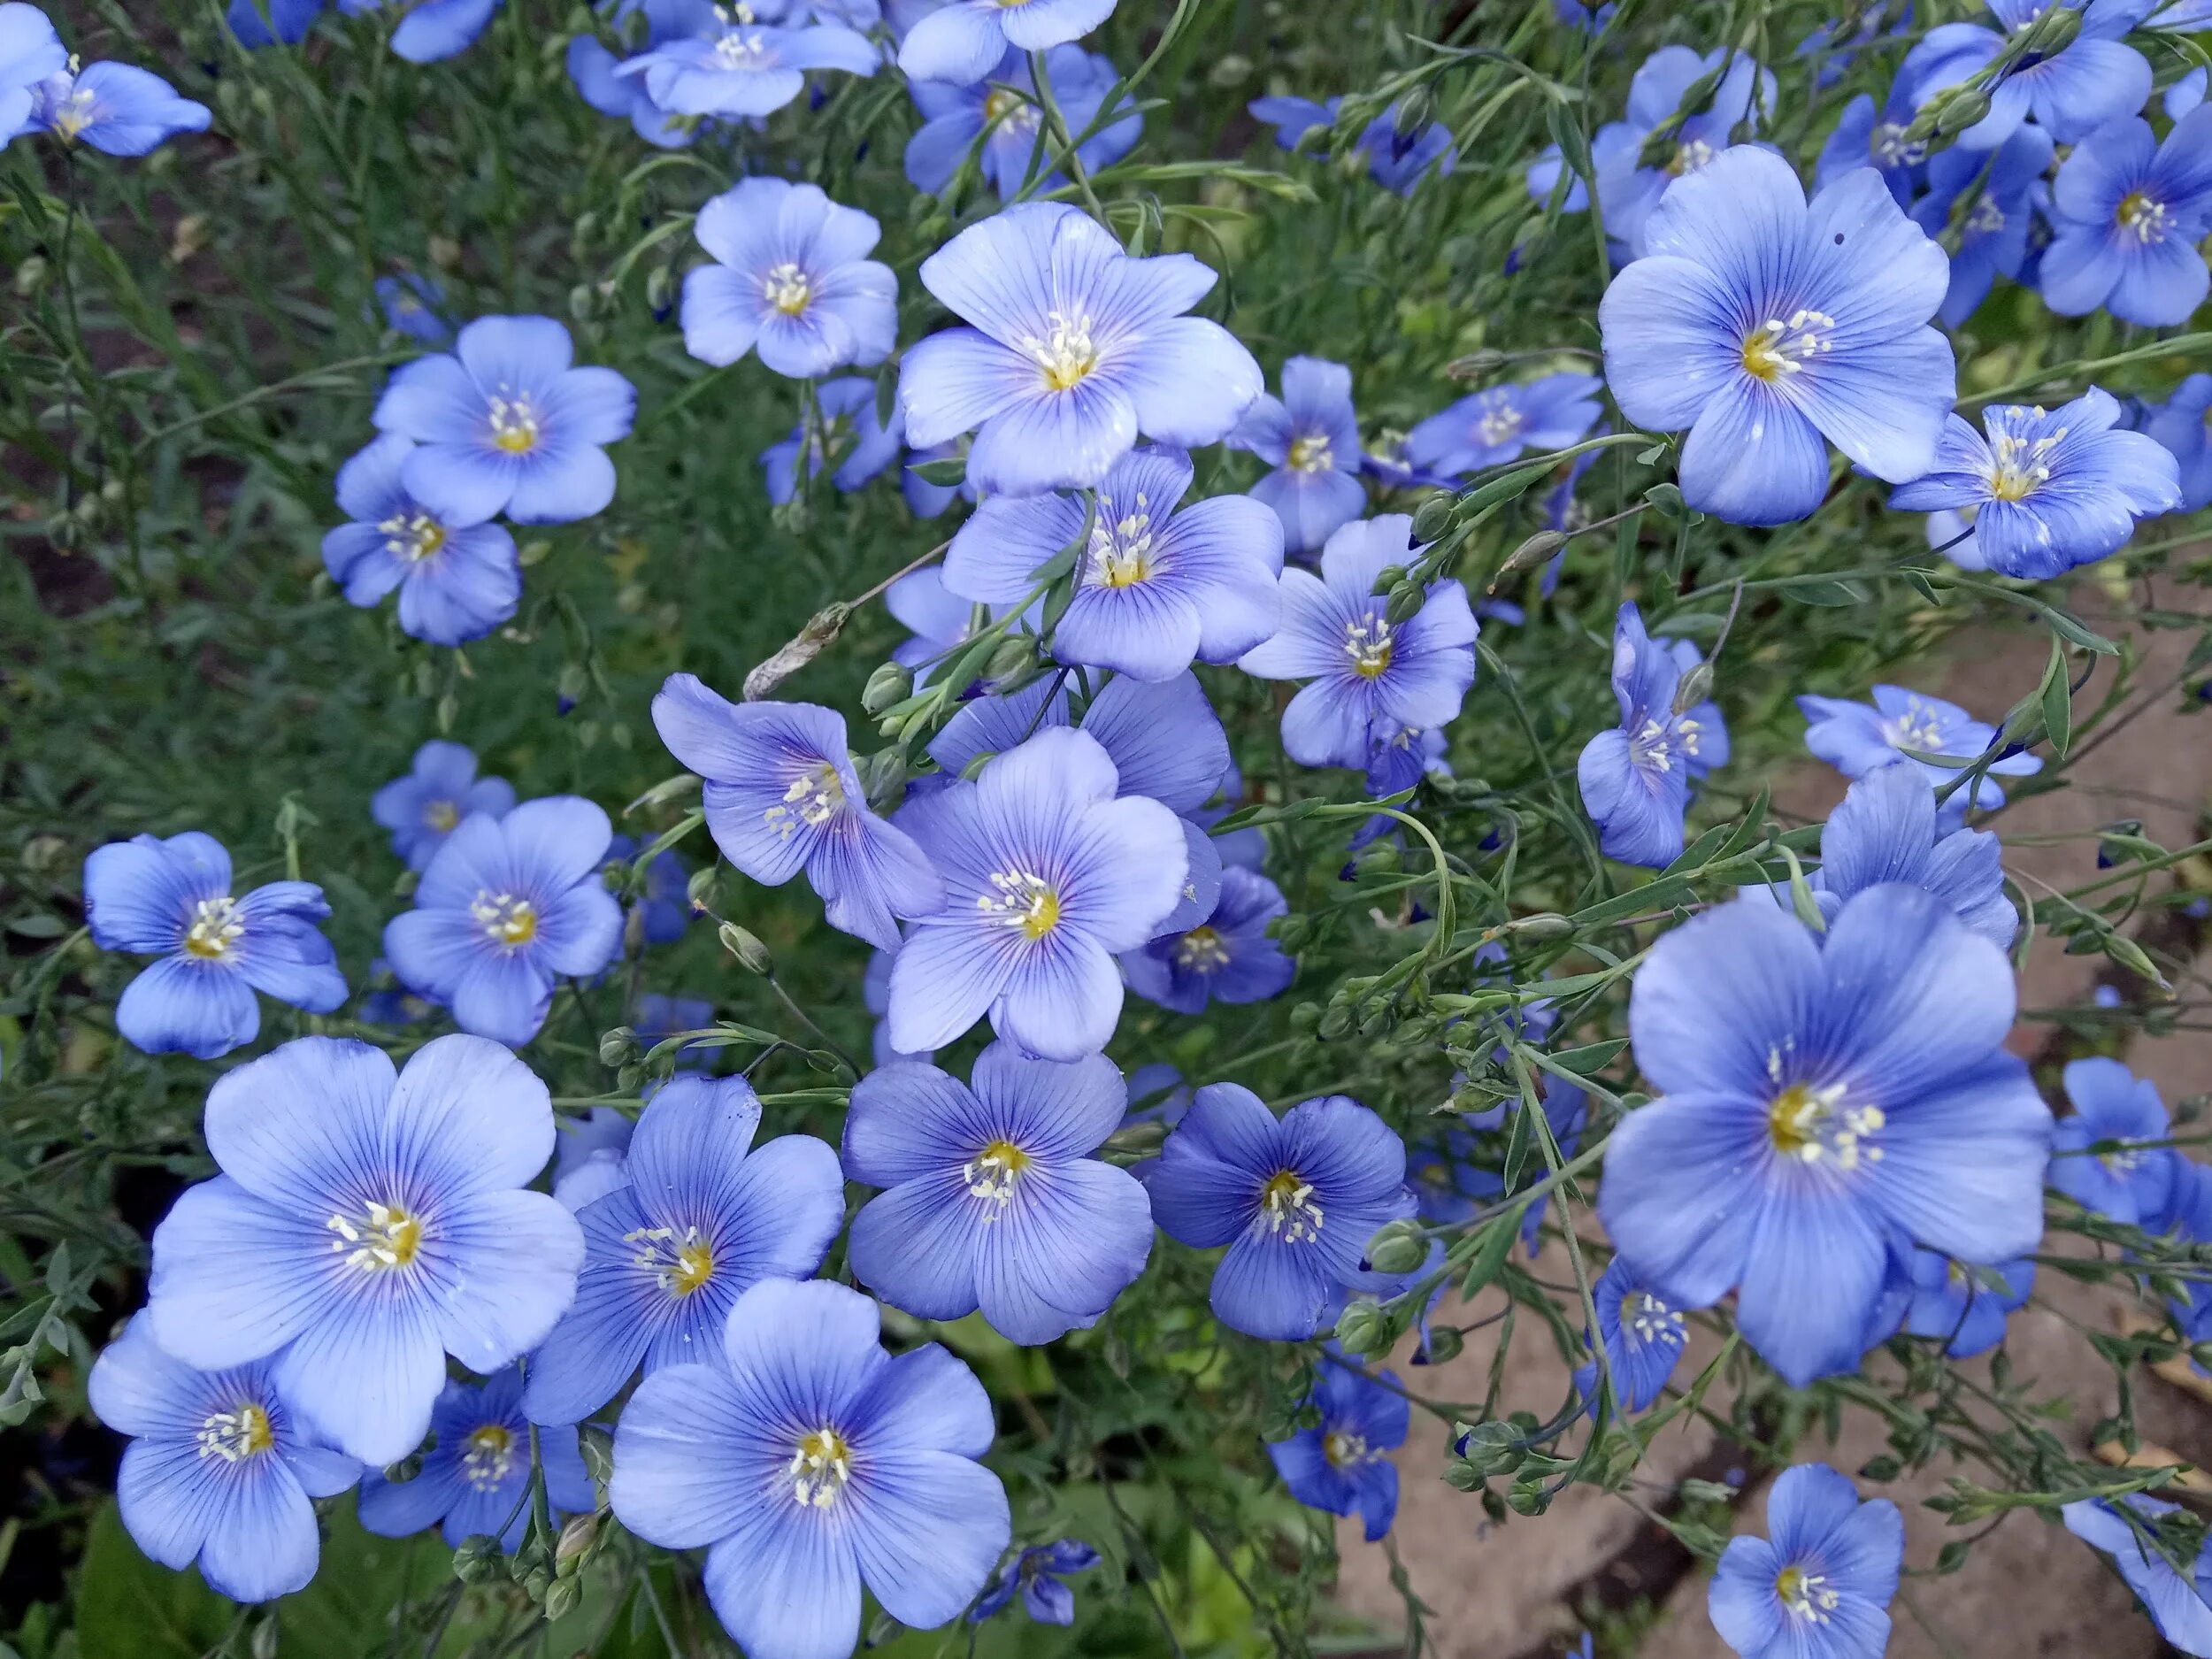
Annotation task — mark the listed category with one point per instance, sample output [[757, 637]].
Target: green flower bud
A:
[[1444, 1345], [1015, 653], [1962, 112], [1406, 600], [1398, 1248], [1433, 516], [477, 1559], [701, 889], [747, 947], [616, 1046], [575, 1544], [890, 686], [561, 1597], [1695, 687], [597, 1446], [1362, 1329], [1336, 1023]]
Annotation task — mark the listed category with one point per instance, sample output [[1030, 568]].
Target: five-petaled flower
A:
[[961, 41], [458, 576], [1820, 1586], [1310, 437], [1491, 427], [1635, 779], [737, 67], [475, 1475], [2129, 212], [1641, 1335], [1857, 738], [791, 280], [1342, 1464], [440, 788]]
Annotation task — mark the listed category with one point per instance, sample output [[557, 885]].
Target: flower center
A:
[[2022, 466], [74, 113], [991, 1173], [1008, 108], [214, 929], [1368, 642], [1888, 146], [1805, 1596], [514, 422], [1648, 1319], [442, 816], [1067, 355], [1023, 900], [1344, 1449], [1202, 951], [490, 1456], [820, 1467], [508, 921], [679, 1266], [1809, 1124], [1986, 218], [1501, 420], [412, 537], [1121, 548], [1689, 156], [1310, 454], [812, 798], [744, 47], [234, 1436], [1654, 745], [2122, 1162], [786, 288], [1287, 1210], [2145, 219], [1777, 347], [377, 1238], [1926, 735]]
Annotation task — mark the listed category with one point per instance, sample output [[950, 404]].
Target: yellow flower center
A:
[[1368, 642], [787, 289], [514, 422], [1810, 1125], [1065, 354], [1202, 951], [1780, 347], [680, 1265], [1805, 1596], [2021, 465], [234, 1436], [213, 930], [510, 922], [442, 816], [1310, 454], [2143, 218], [1343, 1450], [991, 1174], [489, 1457], [820, 1468], [1121, 548], [812, 798], [412, 537], [1689, 156], [1023, 900], [1286, 1207], [377, 1237]]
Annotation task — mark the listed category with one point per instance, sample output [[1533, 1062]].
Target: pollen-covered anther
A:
[[812, 798], [489, 1456], [786, 288], [1121, 548], [1689, 156], [1287, 1209], [377, 1237], [1202, 951], [1343, 1449], [234, 1436], [412, 537], [2145, 219], [1022, 900], [2022, 466], [679, 1266], [820, 1468], [992, 1172], [1650, 1320], [514, 422], [1783, 346], [1813, 1125], [1368, 643], [1805, 1596], [1310, 454], [213, 929], [1501, 421], [508, 919]]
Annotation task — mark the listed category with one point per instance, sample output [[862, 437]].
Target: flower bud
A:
[[1443, 1347], [1963, 110], [700, 891], [616, 1046], [1433, 516], [2054, 31], [597, 1446], [1406, 600], [578, 1537], [658, 285], [1335, 1022], [1476, 364], [29, 275], [561, 1597], [1014, 654], [1398, 1248], [1695, 687], [406, 1470], [1530, 553], [263, 1643], [477, 1559], [890, 685], [1360, 1329], [747, 947]]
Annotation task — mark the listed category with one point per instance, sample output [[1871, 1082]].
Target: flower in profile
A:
[[1310, 437], [1499, 425], [1991, 196], [1226, 958], [1342, 1464], [809, 1462], [1764, 325], [1074, 347], [851, 443], [259, 23], [440, 789], [1820, 1095], [1887, 829], [2047, 489], [2129, 212], [1158, 584], [2183, 423], [431, 30], [1362, 669], [994, 1195], [1856, 738], [599, 82], [1047, 876], [1819, 1587], [218, 1469], [2094, 78], [1398, 159], [1583, 16], [961, 42], [1036, 1575], [414, 306], [1863, 140], [504, 424], [1965, 1306], [475, 1477], [1629, 187], [117, 109], [737, 67], [791, 279], [364, 1225], [664, 910], [2133, 1181], [30, 52], [697, 1220], [782, 796], [2163, 1556], [1641, 1335], [174, 899], [1635, 779], [459, 577], [1004, 113], [505, 907], [1295, 1200]]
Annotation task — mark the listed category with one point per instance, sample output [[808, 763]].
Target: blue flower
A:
[[259, 23], [1582, 16], [505, 424], [1157, 1094], [695, 1221], [811, 1460], [1964, 1306], [459, 577], [792, 280], [962, 42], [1821, 1588], [1856, 738], [1452, 1178], [1004, 114], [1047, 876], [782, 796], [475, 1478], [1399, 160], [2129, 212], [739, 68], [1993, 236], [1036, 1573], [850, 441], [218, 1469], [1362, 669], [413, 305], [1497, 426], [1627, 190], [2183, 423], [1226, 958], [600, 82], [1295, 1200], [365, 1225], [1861, 140], [173, 899], [431, 30], [2094, 80], [1075, 348], [1542, 179], [664, 910], [439, 790], [30, 52], [1635, 779], [1342, 1466], [389, 1003], [1293, 117], [1887, 829], [1158, 585], [2179, 1601], [1643, 1336], [2134, 1184], [2047, 489], [1836, 56], [992, 1194], [1310, 437], [117, 109], [1764, 324], [506, 907], [1820, 1098]]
